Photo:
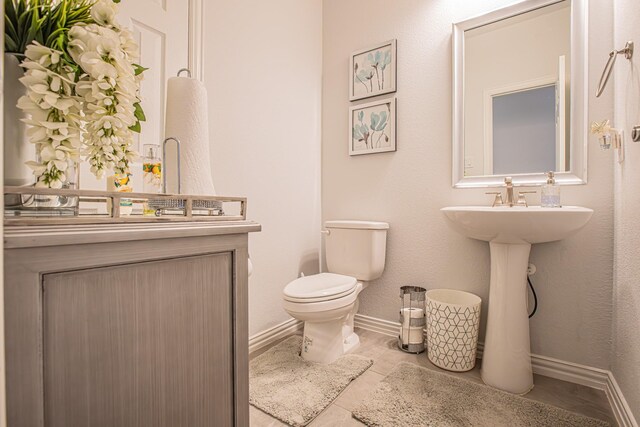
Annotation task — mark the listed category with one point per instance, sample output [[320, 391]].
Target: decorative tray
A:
[[29, 205]]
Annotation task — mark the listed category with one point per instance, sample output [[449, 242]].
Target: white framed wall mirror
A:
[[520, 95]]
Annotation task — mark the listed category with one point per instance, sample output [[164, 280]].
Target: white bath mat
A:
[[295, 391], [414, 396]]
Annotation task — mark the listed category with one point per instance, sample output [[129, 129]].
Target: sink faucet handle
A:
[[522, 200], [498, 199], [508, 182]]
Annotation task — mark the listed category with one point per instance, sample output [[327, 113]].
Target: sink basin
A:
[[506, 359], [534, 224]]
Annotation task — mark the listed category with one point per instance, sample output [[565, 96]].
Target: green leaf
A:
[[139, 69], [136, 127], [60, 32], [9, 28], [62, 14], [9, 44], [61, 42], [139, 113], [33, 29], [23, 18], [40, 20], [10, 11], [70, 60]]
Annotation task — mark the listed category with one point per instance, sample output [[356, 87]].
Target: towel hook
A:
[[608, 68], [183, 70]]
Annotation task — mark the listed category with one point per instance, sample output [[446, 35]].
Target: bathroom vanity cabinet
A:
[[127, 324]]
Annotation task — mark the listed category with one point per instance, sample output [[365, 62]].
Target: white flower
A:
[[129, 45], [104, 12], [39, 54], [93, 109], [54, 114]]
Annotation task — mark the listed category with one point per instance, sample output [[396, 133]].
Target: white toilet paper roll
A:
[[411, 313], [187, 119], [412, 335]]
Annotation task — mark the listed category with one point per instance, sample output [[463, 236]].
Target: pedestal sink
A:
[[510, 231]]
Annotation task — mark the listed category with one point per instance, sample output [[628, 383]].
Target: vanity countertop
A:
[[27, 236]]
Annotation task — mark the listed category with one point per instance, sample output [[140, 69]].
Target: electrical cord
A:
[[535, 298]]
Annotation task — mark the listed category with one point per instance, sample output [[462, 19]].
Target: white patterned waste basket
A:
[[453, 320]]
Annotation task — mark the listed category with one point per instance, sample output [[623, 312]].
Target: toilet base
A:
[[326, 341], [351, 343]]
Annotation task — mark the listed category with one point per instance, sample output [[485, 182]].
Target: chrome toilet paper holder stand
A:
[[412, 297], [164, 162], [177, 141], [213, 207]]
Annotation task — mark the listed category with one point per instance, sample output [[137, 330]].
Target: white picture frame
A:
[[372, 71], [372, 127]]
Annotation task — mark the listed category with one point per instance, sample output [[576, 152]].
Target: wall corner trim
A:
[[618, 403], [196, 39]]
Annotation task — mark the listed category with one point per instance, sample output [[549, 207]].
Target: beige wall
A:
[[407, 188], [626, 301], [262, 70]]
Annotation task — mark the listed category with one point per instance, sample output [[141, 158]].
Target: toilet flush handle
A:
[[327, 232]]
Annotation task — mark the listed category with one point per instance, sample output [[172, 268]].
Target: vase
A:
[[37, 205], [18, 150]]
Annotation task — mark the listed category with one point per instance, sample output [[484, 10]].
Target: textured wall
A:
[[626, 321], [407, 188], [263, 63]]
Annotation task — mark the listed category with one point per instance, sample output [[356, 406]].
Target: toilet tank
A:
[[356, 248]]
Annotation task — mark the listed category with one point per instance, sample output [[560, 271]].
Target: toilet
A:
[[327, 302]]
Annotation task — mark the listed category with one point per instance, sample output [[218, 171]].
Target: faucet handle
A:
[[508, 180], [522, 200], [498, 199]]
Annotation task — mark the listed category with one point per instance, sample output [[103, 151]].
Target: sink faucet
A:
[[509, 199], [508, 182]]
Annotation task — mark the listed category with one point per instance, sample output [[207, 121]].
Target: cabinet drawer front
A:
[[144, 344]]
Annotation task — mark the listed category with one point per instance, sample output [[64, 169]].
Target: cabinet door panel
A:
[[147, 344]]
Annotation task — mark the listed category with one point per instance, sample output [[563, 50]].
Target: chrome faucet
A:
[[509, 199], [508, 182]]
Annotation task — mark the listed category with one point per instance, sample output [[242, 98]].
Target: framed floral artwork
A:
[[372, 127], [373, 71]]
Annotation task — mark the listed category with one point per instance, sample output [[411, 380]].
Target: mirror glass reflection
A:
[[517, 94]]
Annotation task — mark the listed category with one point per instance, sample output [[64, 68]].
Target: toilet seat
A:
[[320, 287], [322, 308]]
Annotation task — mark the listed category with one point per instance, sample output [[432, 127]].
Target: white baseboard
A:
[[619, 404], [384, 327], [271, 335], [546, 366], [570, 372]]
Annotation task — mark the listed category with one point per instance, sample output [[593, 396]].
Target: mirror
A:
[[519, 103]]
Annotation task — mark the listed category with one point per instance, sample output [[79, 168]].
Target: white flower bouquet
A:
[[82, 83]]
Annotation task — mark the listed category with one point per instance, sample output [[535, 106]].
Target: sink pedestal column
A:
[[506, 359]]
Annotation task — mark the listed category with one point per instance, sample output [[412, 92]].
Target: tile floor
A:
[[385, 354]]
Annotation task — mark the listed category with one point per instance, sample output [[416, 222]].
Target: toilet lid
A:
[[323, 285]]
